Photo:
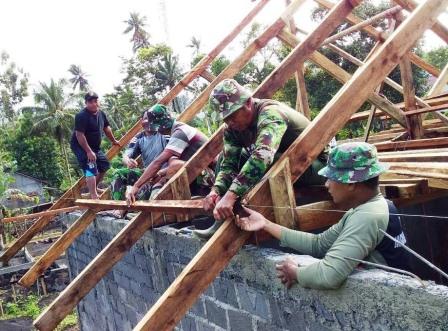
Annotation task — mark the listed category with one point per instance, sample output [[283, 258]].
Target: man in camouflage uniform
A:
[[257, 133], [352, 176], [183, 143]]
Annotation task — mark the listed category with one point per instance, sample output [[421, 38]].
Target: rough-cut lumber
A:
[[170, 308], [36, 215], [206, 60], [387, 13], [418, 157], [122, 242], [160, 206], [302, 95], [414, 122], [317, 215], [426, 110], [283, 198], [353, 19], [437, 88], [421, 169], [438, 27], [180, 189], [343, 76]]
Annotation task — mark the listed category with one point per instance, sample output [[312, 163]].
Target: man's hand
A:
[[131, 192], [224, 207], [287, 272], [254, 222], [91, 156], [130, 163], [210, 200]]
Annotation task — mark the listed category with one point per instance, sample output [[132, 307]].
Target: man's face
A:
[[341, 193], [145, 122], [241, 119], [92, 105]]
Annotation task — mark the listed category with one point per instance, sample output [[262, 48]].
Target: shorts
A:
[[101, 165]]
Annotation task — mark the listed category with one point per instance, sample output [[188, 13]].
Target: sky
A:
[[45, 37]]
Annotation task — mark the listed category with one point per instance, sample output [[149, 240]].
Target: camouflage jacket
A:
[[249, 154]]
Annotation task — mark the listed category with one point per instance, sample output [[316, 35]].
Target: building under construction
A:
[[149, 273]]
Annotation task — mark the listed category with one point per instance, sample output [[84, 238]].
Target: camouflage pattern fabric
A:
[[238, 174], [124, 177], [353, 162], [228, 96], [159, 118]]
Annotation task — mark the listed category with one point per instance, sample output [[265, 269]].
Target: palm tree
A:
[[167, 74], [54, 114], [137, 24], [79, 78], [195, 44]]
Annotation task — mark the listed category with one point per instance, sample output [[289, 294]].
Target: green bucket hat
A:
[[228, 96], [159, 118], [352, 163]]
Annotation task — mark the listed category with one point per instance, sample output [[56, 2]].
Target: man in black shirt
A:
[[90, 123]]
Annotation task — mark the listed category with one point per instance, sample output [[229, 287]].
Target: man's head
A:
[[158, 118], [234, 103], [352, 166], [91, 101]]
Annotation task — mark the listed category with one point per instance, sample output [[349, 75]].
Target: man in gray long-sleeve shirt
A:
[[352, 180]]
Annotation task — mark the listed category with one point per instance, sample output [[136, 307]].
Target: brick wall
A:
[[246, 295]]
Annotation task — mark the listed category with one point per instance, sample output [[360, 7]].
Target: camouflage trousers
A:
[[124, 177]]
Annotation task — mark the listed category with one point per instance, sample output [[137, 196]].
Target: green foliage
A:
[[13, 87], [136, 24], [7, 166], [35, 155], [438, 57], [70, 320], [24, 307]]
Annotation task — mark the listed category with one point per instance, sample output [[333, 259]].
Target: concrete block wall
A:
[[247, 294]]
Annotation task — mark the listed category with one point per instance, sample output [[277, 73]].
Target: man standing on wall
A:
[[90, 124]]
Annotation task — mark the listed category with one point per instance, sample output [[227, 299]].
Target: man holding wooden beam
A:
[[352, 176], [257, 133]]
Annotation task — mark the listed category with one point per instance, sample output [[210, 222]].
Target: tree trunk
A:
[[65, 158]]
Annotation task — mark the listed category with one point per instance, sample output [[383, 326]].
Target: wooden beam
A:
[[438, 28], [418, 157], [161, 206], [422, 111], [387, 13], [283, 197], [353, 19], [437, 88], [122, 242], [414, 122], [37, 215], [180, 189], [343, 76], [302, 95], [421, 169]]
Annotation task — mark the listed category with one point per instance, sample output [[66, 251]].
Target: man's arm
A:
[[80, 136], [149, 173], [270, 133], [131, 152], [110, 135]]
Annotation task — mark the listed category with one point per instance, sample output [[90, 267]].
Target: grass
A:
[[29, 307]]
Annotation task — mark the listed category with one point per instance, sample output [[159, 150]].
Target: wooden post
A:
[[213, 257], [283, 197], [180, 190], [414, 122], [437, 88]]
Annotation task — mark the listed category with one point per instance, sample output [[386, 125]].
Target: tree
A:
[[54, 114], [79, 78], [136, 24], [13, 87], [438, 57], [6, 168], [195, 44]]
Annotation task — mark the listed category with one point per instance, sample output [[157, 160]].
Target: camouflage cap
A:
[[228, 96], [353, 162], [159, 118]]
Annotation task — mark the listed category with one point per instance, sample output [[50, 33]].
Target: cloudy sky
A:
[[45, 37]]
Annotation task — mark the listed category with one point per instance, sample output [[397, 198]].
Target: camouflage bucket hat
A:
[[228, 96], [159, 118], [353, 162]]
